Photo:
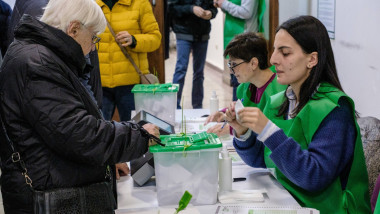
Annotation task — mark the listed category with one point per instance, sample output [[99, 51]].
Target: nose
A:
[[274, 58]]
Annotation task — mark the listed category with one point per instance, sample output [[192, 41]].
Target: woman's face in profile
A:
[[290, 60], [85, 39], [83, 35]]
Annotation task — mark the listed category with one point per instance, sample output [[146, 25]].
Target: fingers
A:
[[253, 118], [216, 117], [122, 169], [152, 129], [198, 11], [117, 175], [124, 38], [217, 129]]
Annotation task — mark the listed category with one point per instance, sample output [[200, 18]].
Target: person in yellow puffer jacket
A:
[[137, 29]]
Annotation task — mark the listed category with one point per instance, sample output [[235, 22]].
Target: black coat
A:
[[31, 7], [5, 17], [184, 21], [35, 9], [51, 118]]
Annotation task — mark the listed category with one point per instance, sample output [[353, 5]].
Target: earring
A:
[[308, 66]]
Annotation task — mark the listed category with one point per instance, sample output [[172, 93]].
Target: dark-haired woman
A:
[[308, 134], [248, 61]]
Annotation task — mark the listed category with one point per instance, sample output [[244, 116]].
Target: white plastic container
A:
[[157, 99], [214, 103], [194, 170], [225, 171]]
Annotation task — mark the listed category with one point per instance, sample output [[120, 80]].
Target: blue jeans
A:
[[122, 98], [199, 49]]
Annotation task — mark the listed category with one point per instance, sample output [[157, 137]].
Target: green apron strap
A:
[[260, 15], [377, 207], [232, 25]]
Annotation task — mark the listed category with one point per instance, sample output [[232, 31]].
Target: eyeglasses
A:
[[95, 39], [233, 65]]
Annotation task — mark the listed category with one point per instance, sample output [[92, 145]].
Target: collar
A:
[[34, 31], [293, 99], [122, 2]]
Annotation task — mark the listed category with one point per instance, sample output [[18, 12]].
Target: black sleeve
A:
[[179, 10], [63, 121]]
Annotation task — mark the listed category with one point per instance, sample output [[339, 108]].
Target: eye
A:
[[285, 53]]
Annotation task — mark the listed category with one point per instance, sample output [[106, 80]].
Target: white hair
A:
[[60, 13]]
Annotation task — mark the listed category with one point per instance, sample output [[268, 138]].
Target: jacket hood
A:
[[32, 31]]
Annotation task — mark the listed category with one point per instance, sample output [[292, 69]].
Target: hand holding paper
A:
[[252, 118]]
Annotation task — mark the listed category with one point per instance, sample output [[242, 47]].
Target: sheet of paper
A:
[[235, 209], [197, 127], [238, 106], [162, 210]]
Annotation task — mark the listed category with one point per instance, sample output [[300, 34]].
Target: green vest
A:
[[232, 25], [332, 199], [274, 87], [377, 207]]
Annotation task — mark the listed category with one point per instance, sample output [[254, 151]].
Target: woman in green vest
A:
[[308, 134], [248, 61], [241, 16]]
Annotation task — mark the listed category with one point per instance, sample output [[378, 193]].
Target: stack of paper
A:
[[241, 196]]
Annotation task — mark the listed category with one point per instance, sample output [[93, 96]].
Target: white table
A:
[[131, 197]]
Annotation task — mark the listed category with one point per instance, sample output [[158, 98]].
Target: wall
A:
[[215, 44], [356, 47]]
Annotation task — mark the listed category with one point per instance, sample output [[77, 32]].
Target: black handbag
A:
[[95, 198]]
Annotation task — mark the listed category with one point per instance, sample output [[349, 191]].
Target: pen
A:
[[158, 140], [225, 122]]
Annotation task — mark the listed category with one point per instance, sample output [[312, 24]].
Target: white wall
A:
[[356, 47], [215, 44]]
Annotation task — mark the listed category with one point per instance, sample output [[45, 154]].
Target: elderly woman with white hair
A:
[[55, 146]]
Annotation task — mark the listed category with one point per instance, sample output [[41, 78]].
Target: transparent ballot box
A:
[[158, 99], [187, 162]]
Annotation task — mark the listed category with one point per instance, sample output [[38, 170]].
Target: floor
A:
[[212, 82]]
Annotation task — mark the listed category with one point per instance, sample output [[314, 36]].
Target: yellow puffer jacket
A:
[[136, 17]]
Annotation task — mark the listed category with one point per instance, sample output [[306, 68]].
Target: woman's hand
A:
[[217, 129], [153, 130], [122, 169], [198, 11], [215, 117], [231, 119], [124, 38], [218, 3], [207, 15], [253, 118]]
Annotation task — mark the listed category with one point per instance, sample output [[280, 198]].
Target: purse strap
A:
[[15, 157], [126, 54]]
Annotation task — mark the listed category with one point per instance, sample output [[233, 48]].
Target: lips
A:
[[279, 71]]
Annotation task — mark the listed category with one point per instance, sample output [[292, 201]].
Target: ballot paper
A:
[[236, 209], [238, 106]]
